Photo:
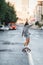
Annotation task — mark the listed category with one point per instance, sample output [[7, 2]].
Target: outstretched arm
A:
[[28, 26]]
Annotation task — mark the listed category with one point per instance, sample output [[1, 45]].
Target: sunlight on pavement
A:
[[30, 58]]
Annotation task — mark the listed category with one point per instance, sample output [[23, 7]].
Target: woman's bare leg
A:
[[26, 45], [27, 42]]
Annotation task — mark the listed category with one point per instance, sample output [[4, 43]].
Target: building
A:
[[39, 10], [25, 8], [25, 5]]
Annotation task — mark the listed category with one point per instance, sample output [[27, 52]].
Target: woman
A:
[[26, 34]]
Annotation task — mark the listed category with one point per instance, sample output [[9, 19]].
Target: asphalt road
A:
[[11, 45]]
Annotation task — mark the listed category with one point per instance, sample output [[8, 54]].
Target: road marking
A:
[[30, 58]]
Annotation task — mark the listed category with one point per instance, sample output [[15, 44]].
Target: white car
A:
[[42, 27], [2, 28]]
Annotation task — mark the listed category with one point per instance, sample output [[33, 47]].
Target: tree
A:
[[7, 12], [2, 9], [38, 24], [41, 17]]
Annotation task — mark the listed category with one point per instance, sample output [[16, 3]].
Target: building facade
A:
[[25, 7], [39, 10]]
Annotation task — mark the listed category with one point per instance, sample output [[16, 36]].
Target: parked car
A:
[[12, 27], [41, 27], [2, 28]]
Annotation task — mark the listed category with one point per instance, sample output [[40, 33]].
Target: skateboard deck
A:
[[25, 50]]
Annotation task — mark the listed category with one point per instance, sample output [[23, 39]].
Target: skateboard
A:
[[25, 50]]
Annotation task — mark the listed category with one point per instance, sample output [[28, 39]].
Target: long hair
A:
[[26, 22]]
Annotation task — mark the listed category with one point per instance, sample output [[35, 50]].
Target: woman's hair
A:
[[26, 22]]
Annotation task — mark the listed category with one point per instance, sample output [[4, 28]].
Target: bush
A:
[[37, 23]]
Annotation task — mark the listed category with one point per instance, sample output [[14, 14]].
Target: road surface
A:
[[11, 45]]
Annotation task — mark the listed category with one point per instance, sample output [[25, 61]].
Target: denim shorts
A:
[[27, 35]]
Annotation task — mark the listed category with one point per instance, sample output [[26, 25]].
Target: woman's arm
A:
[[28, 26]]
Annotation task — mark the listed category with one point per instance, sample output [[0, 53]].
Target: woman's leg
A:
[[27, 42], [26, 45]]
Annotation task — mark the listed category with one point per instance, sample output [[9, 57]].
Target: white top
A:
[[26, 30]]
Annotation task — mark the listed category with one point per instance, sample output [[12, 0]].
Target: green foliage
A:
[[2, 9], [41, 17], [7, 12], [42, 24], [37, 23]]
